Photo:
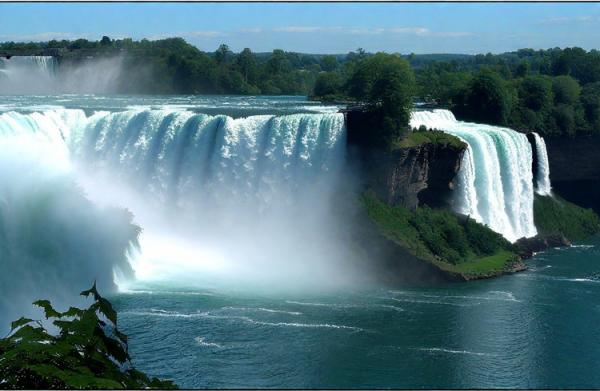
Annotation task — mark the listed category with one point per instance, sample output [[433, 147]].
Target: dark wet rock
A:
[[527, 247]]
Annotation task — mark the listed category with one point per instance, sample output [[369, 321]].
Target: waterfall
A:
[[182, 157], [212, 193], [495, 183], [27, 75], [543, 186], [22, 74]]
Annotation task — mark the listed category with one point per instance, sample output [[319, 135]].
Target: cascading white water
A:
[[495, 181], [53, 240], [24, 75], [211, 192], [180, 156], [543, 186], [19, 72]]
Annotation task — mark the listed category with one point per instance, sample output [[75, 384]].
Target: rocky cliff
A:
[[408, 175]]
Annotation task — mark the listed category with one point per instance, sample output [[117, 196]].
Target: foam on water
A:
[[261, 309], [200, 341], [451, 351], [246, 319]]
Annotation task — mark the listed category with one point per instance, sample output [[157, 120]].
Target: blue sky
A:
[[316, 28]]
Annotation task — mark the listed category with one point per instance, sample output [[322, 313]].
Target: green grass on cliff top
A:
[[489, 264], [421, 137]]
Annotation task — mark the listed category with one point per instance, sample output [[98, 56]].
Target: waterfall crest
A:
[[543, 186], [495, 181]]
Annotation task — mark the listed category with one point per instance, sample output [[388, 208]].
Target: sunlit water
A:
[[535, 329]]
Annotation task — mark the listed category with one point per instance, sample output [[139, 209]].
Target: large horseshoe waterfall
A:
[[250, 195], [496, 183]]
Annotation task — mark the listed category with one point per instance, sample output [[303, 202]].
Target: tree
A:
[[566, 90], [535, 93], [590, 100], [564, 117], [87, 352], [222, 54], [487, 99], [277, 63], [246, 62], [329, 63], [328, 85], [522, 69], [105, 41], [386, 83]]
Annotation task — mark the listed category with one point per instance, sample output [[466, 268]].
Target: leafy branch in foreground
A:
[[87, 352]]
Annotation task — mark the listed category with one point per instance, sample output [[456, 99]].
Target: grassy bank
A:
[[554, 215], [421, 137], [453, 243]]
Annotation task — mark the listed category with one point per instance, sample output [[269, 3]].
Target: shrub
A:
[[87, 352]]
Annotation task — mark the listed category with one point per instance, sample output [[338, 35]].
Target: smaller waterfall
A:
[[26, 74], [45, 65], [543, 186], [495, 182]]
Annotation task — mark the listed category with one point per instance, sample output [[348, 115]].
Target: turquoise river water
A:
[[535, 329]]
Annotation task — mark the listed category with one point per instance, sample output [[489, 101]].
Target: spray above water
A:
[[44, 75], [495, 182]]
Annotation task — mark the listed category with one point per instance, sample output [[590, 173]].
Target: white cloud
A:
[[205, 34], [252, 30], [571, 19], [418, 31], [305, 29], [410, 30]]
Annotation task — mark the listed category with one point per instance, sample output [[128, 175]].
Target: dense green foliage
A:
[[553, 92], [87, 352], [383, 84], [554, 215], [425, 136], [435, 234]]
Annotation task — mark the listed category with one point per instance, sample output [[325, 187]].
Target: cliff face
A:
[[407, 176], [575, 169], [421, 174]]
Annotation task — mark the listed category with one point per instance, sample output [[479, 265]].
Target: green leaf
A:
[[107, 310], [92, 291], [72, 311], [48, 309], [19, 322]]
